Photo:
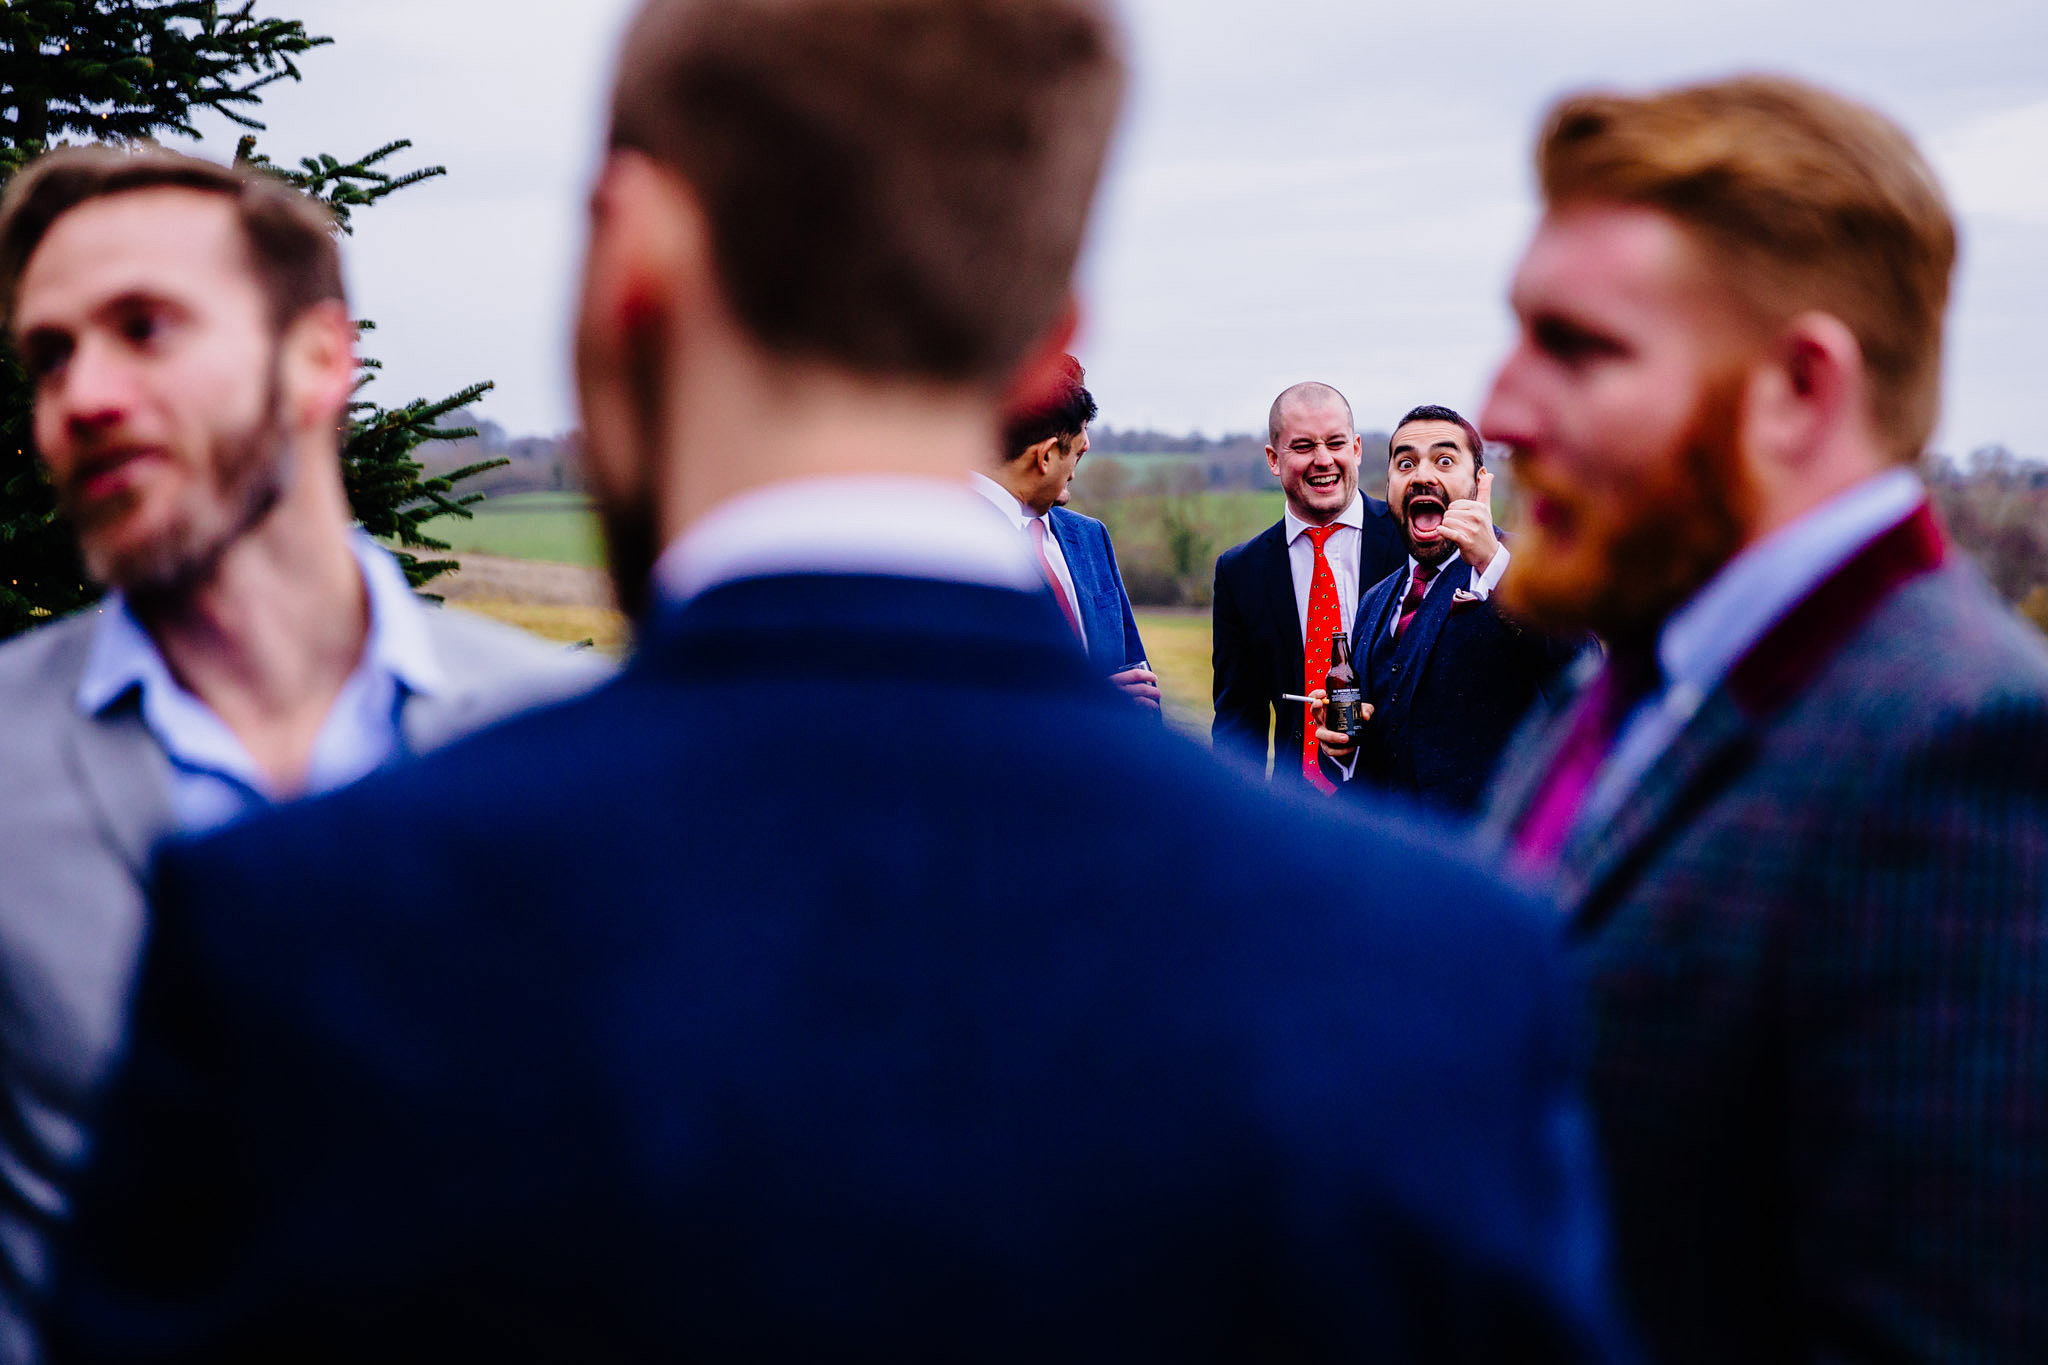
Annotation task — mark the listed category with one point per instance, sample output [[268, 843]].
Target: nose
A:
[[96, 390], [1509, 415]]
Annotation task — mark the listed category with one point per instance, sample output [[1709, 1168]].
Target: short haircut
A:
[[894, 187], [1309, 391], [1059, 416], [1434, 412], [1803, 201], [290, 236]]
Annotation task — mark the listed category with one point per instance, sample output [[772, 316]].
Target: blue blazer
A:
[[1451, 692], [1113, 642], [1258, 648], [609, 1035]]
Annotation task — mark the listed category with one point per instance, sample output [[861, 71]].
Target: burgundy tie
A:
[[1418, 588], [1629, 677]]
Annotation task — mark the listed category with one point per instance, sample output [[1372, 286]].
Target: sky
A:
[[1301, 189]]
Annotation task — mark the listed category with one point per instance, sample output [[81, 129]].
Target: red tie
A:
[[1418, 588], [1325, 619], [1052, 579]]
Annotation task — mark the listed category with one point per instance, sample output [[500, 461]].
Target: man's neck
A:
[[1009, 480], [268, 638], [741, 430]]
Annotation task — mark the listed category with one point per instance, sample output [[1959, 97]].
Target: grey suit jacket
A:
[[82, 802]]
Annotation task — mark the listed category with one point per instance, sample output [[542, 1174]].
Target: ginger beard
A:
[[243, 477], [1620, 561]]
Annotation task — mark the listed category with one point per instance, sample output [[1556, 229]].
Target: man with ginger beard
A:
[[655, 1049], [1446, 676], [1798, 823], [190, 356]]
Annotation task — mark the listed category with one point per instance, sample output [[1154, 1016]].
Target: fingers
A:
[[1138, 674], [1141, 691], [1317, 705], [1335, 743], [1484, 497]]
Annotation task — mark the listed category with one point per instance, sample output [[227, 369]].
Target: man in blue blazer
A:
[[1042, 448], [1448, 676], [1798, 823], [1271, 620], [1014, 1029]]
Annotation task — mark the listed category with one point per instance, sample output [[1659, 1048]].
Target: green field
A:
[[556, 527], [559, 528]]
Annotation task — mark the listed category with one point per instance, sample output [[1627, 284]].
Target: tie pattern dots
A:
[[1325, 619]]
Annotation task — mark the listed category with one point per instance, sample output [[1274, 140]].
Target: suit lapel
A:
[[126, 778], [1412, 650], [1532, 753], [1081, 567], [1369, 630], [1596, 857], [1280, 602]]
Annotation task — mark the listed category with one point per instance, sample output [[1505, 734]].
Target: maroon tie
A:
[[1630, 676], [1418, 588]]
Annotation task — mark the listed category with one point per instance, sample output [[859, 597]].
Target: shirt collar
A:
[[873, 524], [1004, 501], [124, 657], [1704, 638], [1352, 516]]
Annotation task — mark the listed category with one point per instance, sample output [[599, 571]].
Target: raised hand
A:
[[1468, 524]]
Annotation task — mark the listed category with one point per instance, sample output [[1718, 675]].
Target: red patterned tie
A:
[[1325, 619], [1418, 588], [1052, 579]]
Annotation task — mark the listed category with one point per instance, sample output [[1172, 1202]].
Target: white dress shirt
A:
[[1021, 517], [1342, 549], [1481, 587], [880, 524], [1706, 637], [213, 777]]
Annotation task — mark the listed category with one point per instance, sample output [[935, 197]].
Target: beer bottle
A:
[[1342, 711]]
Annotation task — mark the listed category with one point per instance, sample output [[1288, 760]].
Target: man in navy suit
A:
[[1016, 1029], [1042, 448], [1282, 594], [1447, 676]]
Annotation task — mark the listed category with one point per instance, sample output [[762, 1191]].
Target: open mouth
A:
[[1325, 481], [1425, 516]]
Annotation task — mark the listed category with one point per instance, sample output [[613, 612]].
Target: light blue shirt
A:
[[213, 778], [1705, 639]]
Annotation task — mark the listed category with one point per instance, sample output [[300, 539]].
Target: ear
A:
[[1042, 454], [1807, 392], [1273, 460], [317, 367], [1044, 369], [646, 271]]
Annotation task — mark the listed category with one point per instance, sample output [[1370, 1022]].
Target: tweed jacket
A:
[[82, 801], [1815, 941]]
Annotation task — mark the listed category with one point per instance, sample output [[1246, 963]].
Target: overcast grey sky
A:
[[1331, 189]]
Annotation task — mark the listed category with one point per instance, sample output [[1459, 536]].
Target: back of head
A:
[[1804, 200], [1060, 415], [894, 187]]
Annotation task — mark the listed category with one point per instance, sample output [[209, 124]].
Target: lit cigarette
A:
[[1289, 696]]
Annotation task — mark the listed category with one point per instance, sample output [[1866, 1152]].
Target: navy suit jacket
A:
[[1450, 693], [606, 1036], [1815, 938], [1257, 650], [1113, 642]]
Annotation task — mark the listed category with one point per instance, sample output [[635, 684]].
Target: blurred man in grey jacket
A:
[[186, 333]]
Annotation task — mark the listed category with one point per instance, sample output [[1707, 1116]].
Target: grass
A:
[[558, 528]]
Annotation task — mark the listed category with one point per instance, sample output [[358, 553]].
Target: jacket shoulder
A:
[[47, 661], [479, 651]]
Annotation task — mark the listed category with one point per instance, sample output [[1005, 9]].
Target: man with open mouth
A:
[[1447, 676]]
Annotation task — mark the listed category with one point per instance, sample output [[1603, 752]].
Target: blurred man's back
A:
[[625, 1032]]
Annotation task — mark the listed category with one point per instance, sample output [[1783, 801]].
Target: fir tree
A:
[[124, 70]]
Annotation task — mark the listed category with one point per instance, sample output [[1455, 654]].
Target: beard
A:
[[246, 474], [1623, 565], [1432, 552]]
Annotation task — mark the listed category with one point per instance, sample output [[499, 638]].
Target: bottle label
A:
[[1342, 714]]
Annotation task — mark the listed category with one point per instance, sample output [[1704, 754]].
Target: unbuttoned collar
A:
[[123, 657]]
